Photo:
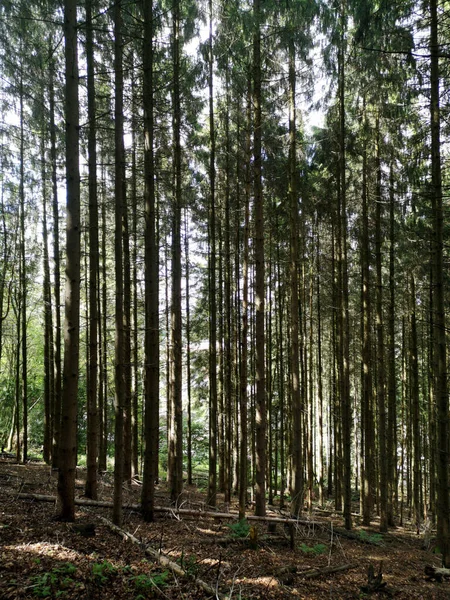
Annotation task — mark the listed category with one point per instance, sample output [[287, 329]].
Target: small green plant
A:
[[241, 529], [189, 564], [373, 538], [103, 571], [316, 550], [55, 581], [144, 583], [42, 584]]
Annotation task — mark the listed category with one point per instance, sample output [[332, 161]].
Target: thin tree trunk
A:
[[212, 479], [23, 281], [297, 464], [188, 352], [56, 417], [415, 400], [103, 343], [381, 374], [367, 436], [344, 307], [392, 386], [48, 321], [243, 460], [118, 262], [261, 417], [92, 408], [175, 382]]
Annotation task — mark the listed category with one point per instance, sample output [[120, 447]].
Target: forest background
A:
[[243, 296]]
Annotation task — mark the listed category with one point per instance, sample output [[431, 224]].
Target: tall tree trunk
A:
[[439, 333], [135, 438], [243, 395], [321, 457], [49, 380], [212, 478], [57, 265], [68, 440], [175, 426], [297, 463], [151, 341], [127, 408], [23, 280], [392, 378], [381, 374], [367, 435], [118, 261], [415, 402], [261, 418], [188, 352], [103, 395], [92, 408], [228, 362], [344, 297]]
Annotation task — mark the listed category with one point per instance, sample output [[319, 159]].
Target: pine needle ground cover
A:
[[43, 558]]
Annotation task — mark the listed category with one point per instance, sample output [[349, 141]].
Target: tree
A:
[[175, 466], [258, 216], [151, 379], [92, 409], [119, 192], [439, 337], [68, 442]]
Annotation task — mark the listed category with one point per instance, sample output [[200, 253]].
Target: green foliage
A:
[[189, 564], [54, 582], [145, 583], [315, 550], [103, 571], [373, 538], [241, 529]]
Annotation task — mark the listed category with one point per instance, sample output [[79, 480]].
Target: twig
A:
[[163, 560]]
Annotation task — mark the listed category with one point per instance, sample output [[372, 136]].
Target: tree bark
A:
[[296, 436], [175, 381], [68, 440], [258, 215], [440, 347], [212, 478], [92, 408], [119, 177]]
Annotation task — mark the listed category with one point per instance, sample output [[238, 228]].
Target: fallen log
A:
[[176, 511], [313, 573], [164, 560], [436, 573]]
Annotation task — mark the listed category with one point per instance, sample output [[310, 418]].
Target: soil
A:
[[43, 558]]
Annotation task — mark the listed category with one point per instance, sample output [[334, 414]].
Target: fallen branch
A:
[[164, 561], [312, 573], [175, 511], [436, 573]]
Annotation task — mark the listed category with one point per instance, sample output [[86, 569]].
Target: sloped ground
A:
[[43, 558]]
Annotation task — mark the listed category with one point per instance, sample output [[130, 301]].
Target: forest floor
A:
[[43, 558]]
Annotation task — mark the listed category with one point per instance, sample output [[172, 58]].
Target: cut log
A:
[[165, 561], [436, 573], [312, 573]]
